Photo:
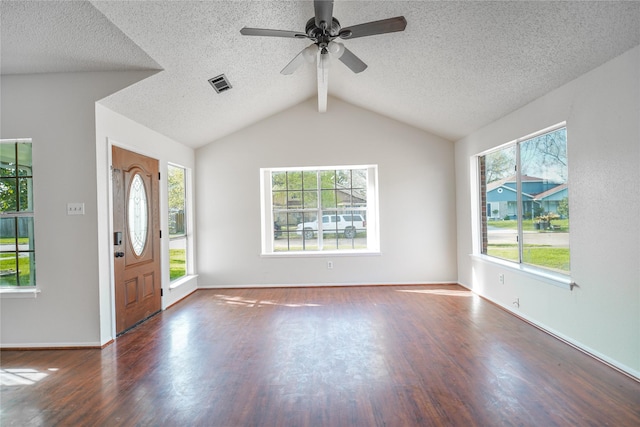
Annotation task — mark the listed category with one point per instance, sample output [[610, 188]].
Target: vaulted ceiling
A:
[[458, 66]]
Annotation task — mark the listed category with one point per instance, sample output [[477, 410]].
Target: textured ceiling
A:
[[457, 67], [64, 36]]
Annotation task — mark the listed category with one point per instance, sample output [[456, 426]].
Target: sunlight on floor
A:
[[22, 376], [230, 300]]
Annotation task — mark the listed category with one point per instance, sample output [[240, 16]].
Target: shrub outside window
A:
[[17, 243], [319, 209], [524, 198]]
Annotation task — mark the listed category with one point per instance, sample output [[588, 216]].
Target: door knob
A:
[[119, 254]]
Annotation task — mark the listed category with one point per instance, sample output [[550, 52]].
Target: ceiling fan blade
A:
[[390, 25], [324, 12], [308, 54], [354, 63], [293, 65], [272, 33]]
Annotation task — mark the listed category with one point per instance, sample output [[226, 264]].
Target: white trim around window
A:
[[521, 206], [293, 200]]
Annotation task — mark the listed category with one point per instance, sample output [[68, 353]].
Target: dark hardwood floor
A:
[[355, 356]]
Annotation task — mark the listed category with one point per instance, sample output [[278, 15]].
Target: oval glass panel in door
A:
[[138, 218]]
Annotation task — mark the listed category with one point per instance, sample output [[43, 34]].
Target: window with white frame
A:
[[177, 195], [17, 248], [319, 209], [524, 198]]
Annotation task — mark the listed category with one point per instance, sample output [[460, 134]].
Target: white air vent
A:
[[220, 83]]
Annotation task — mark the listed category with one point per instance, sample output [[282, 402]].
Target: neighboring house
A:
[[351, 198], [550, 199], [538, 195], [354, 198]]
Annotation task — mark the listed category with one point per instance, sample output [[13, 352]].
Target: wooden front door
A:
[[136, 225]]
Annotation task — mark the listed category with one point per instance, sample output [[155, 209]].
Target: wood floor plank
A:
[[350, 356]]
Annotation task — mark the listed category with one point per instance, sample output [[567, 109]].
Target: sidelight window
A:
[[177, 193]]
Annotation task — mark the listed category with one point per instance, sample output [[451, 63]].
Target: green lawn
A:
[[542, 256], [177, 266], [311, 247], [8, 266], [12, 241], [177, 263], [295, 242]]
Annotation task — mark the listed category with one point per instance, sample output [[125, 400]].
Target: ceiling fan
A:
[[323, 29]]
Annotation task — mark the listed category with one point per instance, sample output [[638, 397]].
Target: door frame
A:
[[112, 282]]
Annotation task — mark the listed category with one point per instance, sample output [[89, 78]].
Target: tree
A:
[[500, 164], [15, 176], [297, 189], [546, 156], [563, 207], [300, 188], [176, 189], [14, 192], [176, 195]]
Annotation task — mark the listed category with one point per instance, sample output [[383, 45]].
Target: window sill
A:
[[19, 293], [181, 281], [549, 277], [318, 254]]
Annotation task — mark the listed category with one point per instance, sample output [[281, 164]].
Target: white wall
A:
[[602, 314], [416, 195], [57, 111], [73, 253], [114, 129]]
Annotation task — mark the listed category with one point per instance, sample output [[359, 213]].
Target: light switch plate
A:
[[75, 208]]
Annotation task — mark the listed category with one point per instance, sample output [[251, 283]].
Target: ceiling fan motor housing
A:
[[322, 29], [322, 38]]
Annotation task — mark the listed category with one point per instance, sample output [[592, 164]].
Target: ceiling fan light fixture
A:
[[310, 53], [336, 48]]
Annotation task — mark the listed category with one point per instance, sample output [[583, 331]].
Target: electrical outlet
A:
[[329, 265], [75, 208], [501, 278]]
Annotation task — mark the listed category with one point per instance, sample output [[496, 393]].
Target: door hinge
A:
[[161, 234], [161, 292], [158, 176]]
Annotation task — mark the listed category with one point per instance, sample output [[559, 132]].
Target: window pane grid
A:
[[301, 198], [17, 243]]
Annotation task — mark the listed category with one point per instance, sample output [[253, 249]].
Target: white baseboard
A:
[[568, 340], [315, 284], [51, 345]]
